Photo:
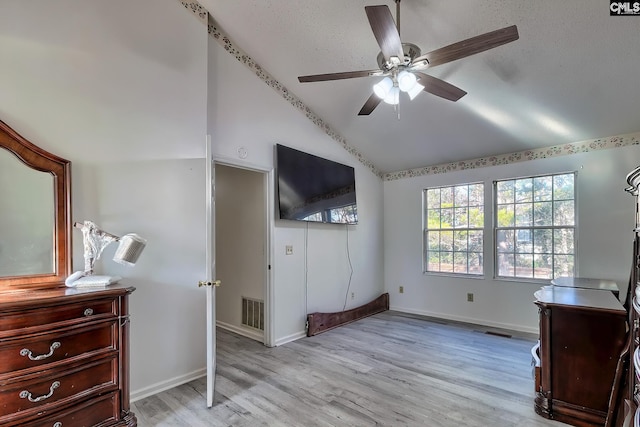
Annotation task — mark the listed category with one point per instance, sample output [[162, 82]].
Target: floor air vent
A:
[[253, 313]]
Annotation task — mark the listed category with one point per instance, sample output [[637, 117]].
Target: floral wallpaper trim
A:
[[216, 32], [521, 156]]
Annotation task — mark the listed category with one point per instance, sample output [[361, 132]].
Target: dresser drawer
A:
[[51, 390], [77, 342], [90, 413], [44, 317]]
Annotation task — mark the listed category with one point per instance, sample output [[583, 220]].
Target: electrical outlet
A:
[[288, 249], [401, 290], [353, 295], [470, 297]]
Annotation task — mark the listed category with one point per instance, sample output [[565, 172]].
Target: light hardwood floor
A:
[[391, 369]]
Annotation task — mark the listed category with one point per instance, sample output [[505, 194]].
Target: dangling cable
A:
[[350, 267]]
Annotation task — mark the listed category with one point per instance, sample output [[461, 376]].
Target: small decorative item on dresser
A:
[[95, 240]]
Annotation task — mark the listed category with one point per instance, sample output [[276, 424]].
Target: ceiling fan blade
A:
[[385, 31], [439, 87], [339, 76], [471, 46], [370, 105]]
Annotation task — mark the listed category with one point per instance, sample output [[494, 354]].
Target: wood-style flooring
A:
[[391, 369]]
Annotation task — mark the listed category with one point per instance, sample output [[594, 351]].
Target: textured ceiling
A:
[[574, 74]]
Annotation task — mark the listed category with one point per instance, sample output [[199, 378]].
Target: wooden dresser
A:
[[633, 303], [64, 357], [582, 334]]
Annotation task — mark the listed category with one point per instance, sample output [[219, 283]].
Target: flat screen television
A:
[[311, 188]]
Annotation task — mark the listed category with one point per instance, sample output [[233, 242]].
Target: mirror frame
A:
[[60, 169]]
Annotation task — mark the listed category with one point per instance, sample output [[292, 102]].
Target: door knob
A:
[[215, 283]]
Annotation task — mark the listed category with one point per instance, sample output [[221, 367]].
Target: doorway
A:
[[242, 250]]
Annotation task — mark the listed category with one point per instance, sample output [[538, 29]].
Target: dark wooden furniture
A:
[[632, 392], [588, 283], [582, 334], [64, 352], [64, 358]]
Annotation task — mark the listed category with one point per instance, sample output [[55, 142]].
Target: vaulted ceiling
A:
[[574, 73]]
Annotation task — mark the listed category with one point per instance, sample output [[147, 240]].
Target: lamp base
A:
[[80, 280]]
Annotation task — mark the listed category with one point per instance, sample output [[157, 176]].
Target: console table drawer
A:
[[37, 394], [46, 316], [65, 344]]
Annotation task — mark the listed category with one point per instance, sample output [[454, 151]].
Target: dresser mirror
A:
[[35, 220]]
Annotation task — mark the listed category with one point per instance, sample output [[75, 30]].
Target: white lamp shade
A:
[[393, 97], [382, 88], [406, 80], [129, 249], [415, 90]]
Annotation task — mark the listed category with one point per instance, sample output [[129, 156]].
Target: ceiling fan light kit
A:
[[402, 64]]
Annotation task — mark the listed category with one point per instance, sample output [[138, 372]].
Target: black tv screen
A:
[[311, 188]]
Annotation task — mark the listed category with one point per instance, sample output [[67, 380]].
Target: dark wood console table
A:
[[582, 334], [588, 283]]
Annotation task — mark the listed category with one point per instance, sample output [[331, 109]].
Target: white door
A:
[[211, 283]]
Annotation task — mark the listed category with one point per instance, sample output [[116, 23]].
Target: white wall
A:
[[119, 88], [605, 214], [245, 112]]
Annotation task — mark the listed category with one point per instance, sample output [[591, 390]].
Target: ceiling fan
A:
[[402, 64]]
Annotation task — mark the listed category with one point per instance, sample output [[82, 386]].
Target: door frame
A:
[[269, 224]]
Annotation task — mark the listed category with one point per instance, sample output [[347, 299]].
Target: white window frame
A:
[[453, 229], [532, 230]]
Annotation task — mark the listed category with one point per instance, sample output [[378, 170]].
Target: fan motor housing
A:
[[411, 51]]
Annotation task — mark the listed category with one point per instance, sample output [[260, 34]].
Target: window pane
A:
[[563, 265], [476, 217], [524, 244], [563, 187], [563, 213], [506, 216], [433, 218], [506, 265], [524, 214], [542, 213], [434, 261], [446, 261], [433, 238], [447, 197], [462, 218], [506, 240], [543, 266], [476, 241], [446, 218], [462, 195], [524, 265], [505, 192], [446, 240], [475, 263], [433, 198], [542, 188], [460, 262], [542, 241], [476, 195], [524, 190], [460, 241], [563, 241]]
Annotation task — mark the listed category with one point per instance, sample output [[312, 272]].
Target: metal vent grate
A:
[[253, 313]]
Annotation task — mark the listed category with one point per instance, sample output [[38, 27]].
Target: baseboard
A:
[[245, 332], [289, 338], [167, 384], [464, 319]]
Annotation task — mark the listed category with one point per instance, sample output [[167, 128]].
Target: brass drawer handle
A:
[[88, 312], [24, 394], [27, 352]]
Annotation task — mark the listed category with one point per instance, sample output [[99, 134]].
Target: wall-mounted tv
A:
[[311, 188]]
